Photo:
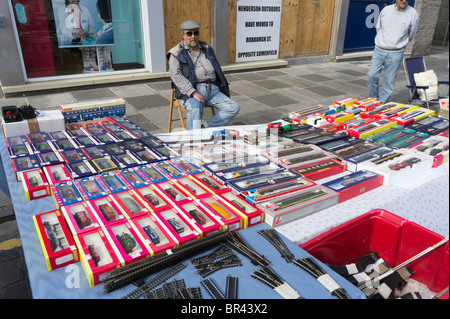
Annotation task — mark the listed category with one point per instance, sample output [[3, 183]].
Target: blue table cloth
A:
[[70, 282]]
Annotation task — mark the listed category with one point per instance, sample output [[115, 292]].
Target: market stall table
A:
[[70, 282]]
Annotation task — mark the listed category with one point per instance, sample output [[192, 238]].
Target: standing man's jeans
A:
[[391, 61], [227, 108]]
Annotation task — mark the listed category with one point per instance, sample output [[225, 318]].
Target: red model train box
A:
[[126, 243], [249, 212], [151, 198], [212, 185], [56, 241], [106, 211], [223, 212], [354, 184], [153, 234], [96, 255], [56, 173], [80, 218], [181, 230], [200, 217], [129, 204], [171, 192], [191, 188], [34, 184]]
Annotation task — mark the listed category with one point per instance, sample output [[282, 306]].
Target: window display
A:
[[68, 37]]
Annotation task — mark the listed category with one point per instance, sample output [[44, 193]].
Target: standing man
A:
[[396, 27], [198, 79]]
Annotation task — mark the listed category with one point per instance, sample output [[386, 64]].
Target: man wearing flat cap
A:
[[198, 79]]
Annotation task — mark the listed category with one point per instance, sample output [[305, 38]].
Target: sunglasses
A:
[[190, 33]]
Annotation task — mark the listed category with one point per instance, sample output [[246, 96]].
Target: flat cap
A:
[[189, 25]]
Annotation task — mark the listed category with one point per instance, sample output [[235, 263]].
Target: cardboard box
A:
[[56, 241], [97, 255], [129, 204], [80, 218], [295, 205], [250, 213], [106, 211], [218, 207], [178, 226], [49, 121], [65, 193], [126, 243], [34, 184], [354, 184], [152, 198], [153, 234], [56, 173]]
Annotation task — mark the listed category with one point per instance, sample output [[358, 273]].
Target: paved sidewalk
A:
[[264, 96]]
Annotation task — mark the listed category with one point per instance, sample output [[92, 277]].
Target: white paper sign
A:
[[257, 30]]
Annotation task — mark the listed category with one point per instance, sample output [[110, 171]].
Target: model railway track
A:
[[272, 236], [267, 276], [236, 242], [155, 282], [231, 290], [222, 257], [149, 266], [212, 289]]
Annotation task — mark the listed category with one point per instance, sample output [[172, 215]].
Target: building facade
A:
[[41, 50]]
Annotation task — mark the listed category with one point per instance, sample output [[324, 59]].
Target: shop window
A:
[[67, 37]]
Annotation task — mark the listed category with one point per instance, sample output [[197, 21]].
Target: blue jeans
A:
[[227, 108], [391, 62]]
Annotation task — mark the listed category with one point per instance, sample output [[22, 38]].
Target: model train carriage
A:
[[107, 212], [94, 255], [176, 225], [220, 210], [82, 219], [199, 218], [152, 235], [127, 242]]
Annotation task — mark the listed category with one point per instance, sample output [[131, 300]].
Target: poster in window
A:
[[83, 23]]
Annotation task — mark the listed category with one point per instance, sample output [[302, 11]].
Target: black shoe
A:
[[202, 126]]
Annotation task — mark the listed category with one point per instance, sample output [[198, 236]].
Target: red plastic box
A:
[[394, 238]]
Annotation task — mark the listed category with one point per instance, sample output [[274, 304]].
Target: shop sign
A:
[[258, 30]]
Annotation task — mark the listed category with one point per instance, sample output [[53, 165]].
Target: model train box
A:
[[191, 188], [80, 218], [294, 161], [201, 218], [354, 184], [34, 184], [322, 169], [171, 192], [96, 255], [110, 183], [146, 156], [436, 146], [178, 226], [339, 117], [72, 156], [129, 204], [344, 103], [375, 154], [81, 169], [434, 128], [152, 198], [283, 209], [132, 177], [106, 211], [87, 111], [371, 127], [104, 164], [249, 183], [126, 243], [56, 173], [411, 117], [404, 169], [65, 193], [55, 238], [372, 113], [217, 206], [250, 213], [168, 170], [94, 152], [150, 174], [207, 182], [49, 158], [23, 164], [362, 101], [365, 107], [49, 121], [153, 234], [396, 111], [89, 188]]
